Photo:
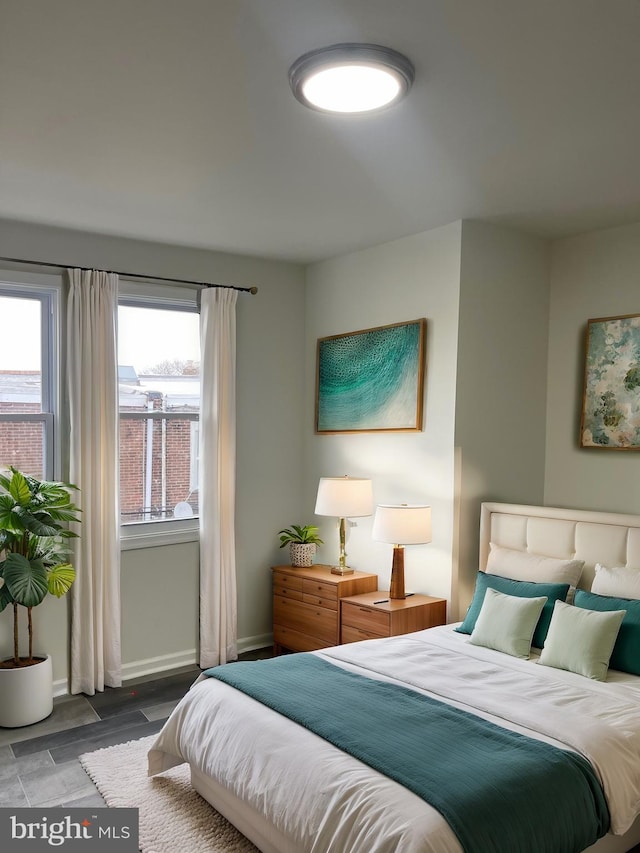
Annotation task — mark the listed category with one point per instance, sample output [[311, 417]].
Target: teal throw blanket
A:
[[499, 791]]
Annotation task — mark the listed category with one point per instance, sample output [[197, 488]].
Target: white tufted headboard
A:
[[611, 539]]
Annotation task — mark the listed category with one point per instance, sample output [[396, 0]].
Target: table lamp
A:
[[344, 497], [401, 525]]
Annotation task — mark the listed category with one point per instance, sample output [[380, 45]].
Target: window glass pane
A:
[[20, 364], [159, 371], [155, 470], [22, 446]]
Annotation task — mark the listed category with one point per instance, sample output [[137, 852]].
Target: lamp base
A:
[[341, 570], [396, 587]]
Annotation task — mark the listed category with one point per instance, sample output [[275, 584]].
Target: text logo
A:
[[35, 830]]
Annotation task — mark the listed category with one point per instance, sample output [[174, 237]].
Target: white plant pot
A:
[[26, 694], [302, 554]]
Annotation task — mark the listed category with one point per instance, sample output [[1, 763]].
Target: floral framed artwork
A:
[[611, 399], [371, 380]]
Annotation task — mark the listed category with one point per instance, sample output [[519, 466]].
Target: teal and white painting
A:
[[611, 405], [372, 379]]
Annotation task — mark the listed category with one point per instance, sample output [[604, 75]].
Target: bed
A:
[[290, 789]]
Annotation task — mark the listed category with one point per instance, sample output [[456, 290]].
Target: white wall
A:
[[593, 275], [159, 585], [501, 381], [404, 280], [484, 291], [162, 584]]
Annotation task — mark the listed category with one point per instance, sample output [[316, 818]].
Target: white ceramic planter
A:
[[26, 694]]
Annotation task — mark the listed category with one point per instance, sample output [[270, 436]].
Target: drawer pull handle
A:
[[363, 609]]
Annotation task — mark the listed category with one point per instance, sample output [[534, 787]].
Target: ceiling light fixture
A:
[[351, 78]]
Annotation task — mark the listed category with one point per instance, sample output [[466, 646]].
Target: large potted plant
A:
[[34, 563], [302, 542]]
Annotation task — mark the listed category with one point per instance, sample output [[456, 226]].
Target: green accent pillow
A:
[[524, 589], [581, 641], [626, 652], [506, 623]]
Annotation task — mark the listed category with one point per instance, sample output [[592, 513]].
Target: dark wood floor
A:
[[39, 764]]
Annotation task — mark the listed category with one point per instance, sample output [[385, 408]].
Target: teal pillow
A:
[[580, 640], [506, 623], [525, 589], [626, 652]]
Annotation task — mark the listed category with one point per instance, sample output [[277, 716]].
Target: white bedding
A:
[[322, 799]]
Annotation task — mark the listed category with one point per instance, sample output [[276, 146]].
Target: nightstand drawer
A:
[[366, 618], [316, 601], [319, 589], [354, 635], [283, 580], [295, 640], [313, 621], [374, 614], [286, 591]]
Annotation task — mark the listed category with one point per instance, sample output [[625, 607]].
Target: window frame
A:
[[154, 533], [47, 290], [194, 468]]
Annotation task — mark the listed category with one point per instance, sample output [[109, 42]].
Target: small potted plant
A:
[[302, 543], [33, 564]]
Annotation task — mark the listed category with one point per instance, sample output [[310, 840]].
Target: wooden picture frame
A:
[[611, 395], [371, 380]]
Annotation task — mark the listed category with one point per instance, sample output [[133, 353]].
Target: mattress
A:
[[288, 789]]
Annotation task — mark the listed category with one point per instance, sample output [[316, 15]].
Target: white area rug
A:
[[173, 817]]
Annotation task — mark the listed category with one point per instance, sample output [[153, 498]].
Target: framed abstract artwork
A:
[[371, 380], [611, 400]]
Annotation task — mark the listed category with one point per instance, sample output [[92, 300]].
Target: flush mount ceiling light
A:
[[351, 78]]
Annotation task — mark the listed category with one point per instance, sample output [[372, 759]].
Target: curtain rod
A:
[[251, 290]]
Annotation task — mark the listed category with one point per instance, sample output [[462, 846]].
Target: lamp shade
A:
[[344, 497], [402, 524]]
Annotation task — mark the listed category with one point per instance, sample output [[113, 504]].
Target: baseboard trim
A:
[[139, 668], [162, 663], [166, 663], [60, 688], [260, 641]]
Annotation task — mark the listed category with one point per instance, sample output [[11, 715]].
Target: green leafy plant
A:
[[33, 555], [306, 535]]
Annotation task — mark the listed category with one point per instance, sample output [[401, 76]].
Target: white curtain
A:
[[92, 370], [217, 474]]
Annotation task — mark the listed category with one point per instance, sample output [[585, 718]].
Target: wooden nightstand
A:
[[362, 619], [306, 605]]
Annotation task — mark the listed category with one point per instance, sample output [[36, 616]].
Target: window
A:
[[159, 391], [28, 377]]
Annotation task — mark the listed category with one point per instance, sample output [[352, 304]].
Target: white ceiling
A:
[[172, 120]]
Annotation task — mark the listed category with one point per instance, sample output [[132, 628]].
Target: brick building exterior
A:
[[158, 459], [21, 443]]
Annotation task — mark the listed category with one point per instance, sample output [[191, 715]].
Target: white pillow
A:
[[506, 623], [522, 566], [581, 641], [620, 582]]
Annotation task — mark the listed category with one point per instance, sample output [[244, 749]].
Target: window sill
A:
[[156, 535]]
